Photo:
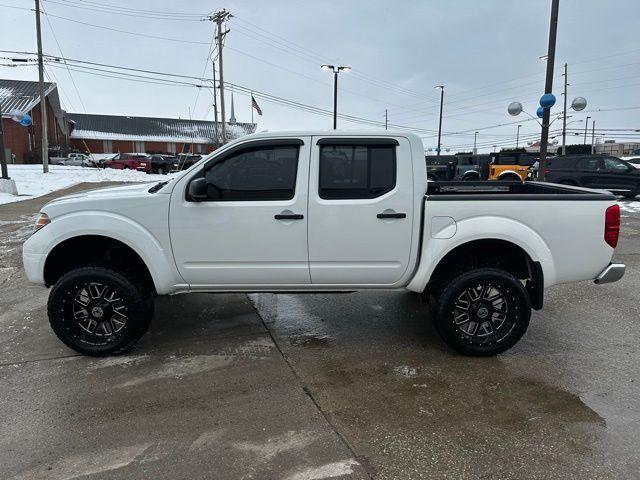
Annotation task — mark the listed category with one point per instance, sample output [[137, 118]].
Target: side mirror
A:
[[198, 189]]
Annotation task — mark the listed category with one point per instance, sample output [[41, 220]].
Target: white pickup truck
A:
[[319, 211]]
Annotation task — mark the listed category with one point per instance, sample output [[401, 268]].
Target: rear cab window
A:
[[356, 171]]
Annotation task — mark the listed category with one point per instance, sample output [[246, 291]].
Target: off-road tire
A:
[[501, 312], [126, 298]]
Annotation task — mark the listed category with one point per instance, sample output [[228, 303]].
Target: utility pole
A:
[[548, 87], [441, 88], [43, 100], [564, 114], [518, 136], [386, 118], [3, 158], [215, 104], [593, 135], [586, 127], [475, 142], [220, 17]]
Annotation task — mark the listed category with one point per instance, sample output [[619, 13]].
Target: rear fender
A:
[[482, 228]]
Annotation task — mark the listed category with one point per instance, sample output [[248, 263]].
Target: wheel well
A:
[[491, 253], [471, 173], [509, 175], [86, 249]]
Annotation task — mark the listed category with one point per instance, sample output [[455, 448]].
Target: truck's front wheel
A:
[[98, 311], [483, 312]]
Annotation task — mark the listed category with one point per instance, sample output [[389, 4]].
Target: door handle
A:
[[392, 215], [288, 216]]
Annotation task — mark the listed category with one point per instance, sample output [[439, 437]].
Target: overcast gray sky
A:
[[485, 52]]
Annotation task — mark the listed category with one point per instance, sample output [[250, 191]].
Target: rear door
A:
[[360, 210], [588, 172]]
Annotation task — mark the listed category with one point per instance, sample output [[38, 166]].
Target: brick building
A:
[[25, 142], [114, 133]]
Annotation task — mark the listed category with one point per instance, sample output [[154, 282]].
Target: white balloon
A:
[[579, 103], [514, 108]]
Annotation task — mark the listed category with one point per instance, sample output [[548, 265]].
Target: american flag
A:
[[254, 104]]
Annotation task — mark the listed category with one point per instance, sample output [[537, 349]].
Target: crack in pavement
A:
[[309, 394]]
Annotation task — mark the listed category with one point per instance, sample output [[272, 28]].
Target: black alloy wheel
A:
[[97, 311], [483, 312]]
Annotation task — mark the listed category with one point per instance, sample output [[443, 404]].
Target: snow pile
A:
[[630, 206], [32, 182]]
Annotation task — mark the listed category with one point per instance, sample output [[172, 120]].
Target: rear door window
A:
[[356, 171], [589, 164]]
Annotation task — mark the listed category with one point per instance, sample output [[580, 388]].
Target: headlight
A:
[[43, 219], [142, 164]]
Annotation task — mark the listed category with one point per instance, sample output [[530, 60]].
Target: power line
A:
[[123, 12], [137, 34], [119, 8], [62, 54]]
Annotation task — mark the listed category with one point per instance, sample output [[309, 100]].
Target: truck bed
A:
[[496, 190]]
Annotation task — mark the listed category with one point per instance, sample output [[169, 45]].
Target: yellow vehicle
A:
[[511, 173], [512, 167]]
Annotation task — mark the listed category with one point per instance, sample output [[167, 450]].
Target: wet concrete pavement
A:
[[321, 386]]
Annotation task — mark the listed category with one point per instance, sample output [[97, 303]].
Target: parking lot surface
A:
[[304, 387]]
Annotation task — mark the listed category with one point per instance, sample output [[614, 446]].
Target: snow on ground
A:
[[32, 182], [630, 206]]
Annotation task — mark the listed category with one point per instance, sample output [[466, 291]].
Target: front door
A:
[[252, 227], [360, 210]]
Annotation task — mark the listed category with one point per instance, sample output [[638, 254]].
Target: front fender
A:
[[482, 228], [157, 257]]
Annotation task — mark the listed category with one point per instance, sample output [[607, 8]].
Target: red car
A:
[[130, 161]]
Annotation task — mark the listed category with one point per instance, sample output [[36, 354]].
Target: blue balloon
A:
[[540, 112], [26, 120], [547, 100]]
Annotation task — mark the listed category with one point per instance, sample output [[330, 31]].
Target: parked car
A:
[[595, 171], [187, 160], [73, 160], [100, 158], [452, 167], [130, 161], [163, 163], [510, 166], [318, 212]]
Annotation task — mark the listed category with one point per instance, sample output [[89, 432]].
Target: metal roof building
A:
[[152, 129]]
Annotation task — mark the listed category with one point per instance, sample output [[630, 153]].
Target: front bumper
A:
[[613, 273]]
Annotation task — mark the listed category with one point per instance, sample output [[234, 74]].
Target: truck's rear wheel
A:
[[483, 312], [98, 311]]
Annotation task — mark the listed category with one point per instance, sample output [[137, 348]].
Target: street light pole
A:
[[441, 88], [586, 127], [593, 135], [564, 114], [475, 142], [335, 71], [548, 87], [335, 99], [518, 136]]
